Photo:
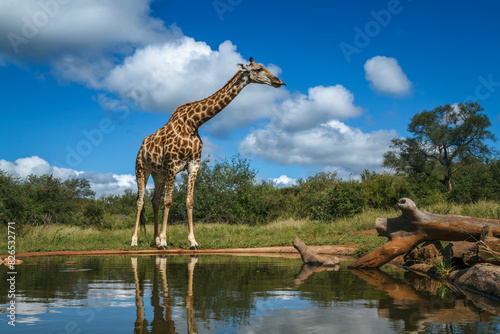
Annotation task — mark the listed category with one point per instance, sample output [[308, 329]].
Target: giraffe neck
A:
[[212, 105]]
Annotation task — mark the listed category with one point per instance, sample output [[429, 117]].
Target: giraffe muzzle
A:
[[278, 83]]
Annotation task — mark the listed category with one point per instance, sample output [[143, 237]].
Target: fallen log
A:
[[414, 227], [481, 253], [311, 258]]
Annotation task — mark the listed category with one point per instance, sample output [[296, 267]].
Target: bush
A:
[[383, 191], [346, 199], [326, 197], [93, 213], [41, 199], [475, 182], [227, 191]]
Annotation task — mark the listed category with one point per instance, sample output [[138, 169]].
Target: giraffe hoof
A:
[[162, 247], [134, 242], [194, 247]]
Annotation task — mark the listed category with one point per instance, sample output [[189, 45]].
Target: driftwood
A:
[[481, 253], [311, 258], [414, 227], [486, 250]]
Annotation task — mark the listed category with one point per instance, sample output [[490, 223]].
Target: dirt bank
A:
[[277, 251]]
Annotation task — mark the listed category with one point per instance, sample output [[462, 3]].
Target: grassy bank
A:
[[277, 233]]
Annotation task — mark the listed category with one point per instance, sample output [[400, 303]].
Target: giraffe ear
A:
[[243, 67]]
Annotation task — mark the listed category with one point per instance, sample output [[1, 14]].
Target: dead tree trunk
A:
[[414, 227]]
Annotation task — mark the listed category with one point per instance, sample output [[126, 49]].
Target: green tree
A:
[[477, 181], [12, 200], [442, 141]]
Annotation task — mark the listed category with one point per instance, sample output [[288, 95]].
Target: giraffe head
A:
[[259, 74]]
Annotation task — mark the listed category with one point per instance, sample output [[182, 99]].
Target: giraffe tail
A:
[[143, 221]]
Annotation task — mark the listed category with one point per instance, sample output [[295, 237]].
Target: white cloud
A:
[[163, 76], [80, 41], [115, 46], [101, 184], [332, 145], [35, 165], [111, 104], [284, 181], [322, 104], [41, 30], [386, 76], [306, 130]]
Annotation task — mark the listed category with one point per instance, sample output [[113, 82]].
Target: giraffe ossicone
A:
[[177, 146]]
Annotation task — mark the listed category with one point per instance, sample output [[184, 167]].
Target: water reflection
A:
[[307, 270], [225, 294], [448, 306], [162, 319]]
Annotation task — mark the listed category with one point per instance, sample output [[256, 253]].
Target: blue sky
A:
[[83, 82]]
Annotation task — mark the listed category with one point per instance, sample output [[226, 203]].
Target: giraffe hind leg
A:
[[167, 201], [156, 200]]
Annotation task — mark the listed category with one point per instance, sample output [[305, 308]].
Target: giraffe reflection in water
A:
[[162, 318]]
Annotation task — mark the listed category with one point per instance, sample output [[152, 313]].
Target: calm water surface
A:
[[228, 294]]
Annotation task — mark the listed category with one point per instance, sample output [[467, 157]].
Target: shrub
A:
[[475, 182], [384, 190], [326, 197]]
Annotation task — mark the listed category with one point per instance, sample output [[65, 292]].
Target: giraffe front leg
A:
[[193, 172], [140, 207], [192, 241], [161, 241], [142, 175]]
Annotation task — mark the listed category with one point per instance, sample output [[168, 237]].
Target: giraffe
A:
[[177, 146]]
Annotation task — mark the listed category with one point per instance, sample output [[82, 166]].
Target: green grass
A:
[[277, 233], [481, 209]]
